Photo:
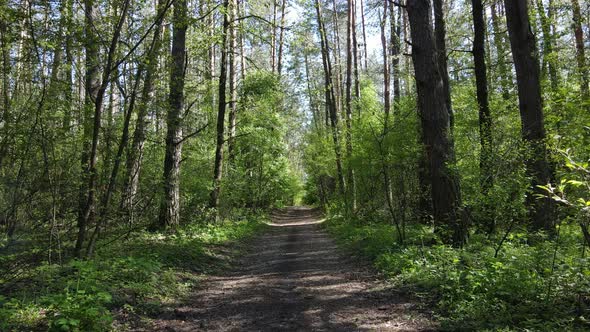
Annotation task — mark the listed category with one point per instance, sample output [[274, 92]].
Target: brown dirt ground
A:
[[294, 278]]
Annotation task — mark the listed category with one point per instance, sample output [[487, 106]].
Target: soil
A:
[[294, 278]]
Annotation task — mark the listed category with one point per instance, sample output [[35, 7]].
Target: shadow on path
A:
[[293, 278]]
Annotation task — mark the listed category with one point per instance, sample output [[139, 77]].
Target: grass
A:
[[522, 289], [126, 280]]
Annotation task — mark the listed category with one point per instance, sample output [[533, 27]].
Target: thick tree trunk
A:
[[446, 196], [220, 138], [481, 83], [580, 56], [538, 167], [170, 204]]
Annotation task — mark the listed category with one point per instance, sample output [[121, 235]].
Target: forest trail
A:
[[293, 278]]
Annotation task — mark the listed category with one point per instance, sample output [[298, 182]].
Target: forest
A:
[[148, 146]]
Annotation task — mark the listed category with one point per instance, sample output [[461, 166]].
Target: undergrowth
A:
[[541, 287], [128, 278]]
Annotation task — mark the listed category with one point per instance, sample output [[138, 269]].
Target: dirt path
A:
[[293, 278]]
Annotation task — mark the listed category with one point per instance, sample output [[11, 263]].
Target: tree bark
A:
[[538, 167], [88, 211], [441, 47], [503, 75], [331, 106], [170, 205], [394, 45], [549, 57], [580, 56], [349, 84], [446, 196], [233, 92], [135, 154], [481, 83], [281, 38], [220, 138], [364, 34]]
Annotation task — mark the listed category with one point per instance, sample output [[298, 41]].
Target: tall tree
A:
[[502, 72], [170, 204], [434, 117], [331, 105], [349, 84], [135, 153], [538, 167], [440, 33], [481, 83], [232, 64], [580, 56], [220, 137], [549, 56], [281, 37], [88, 209]]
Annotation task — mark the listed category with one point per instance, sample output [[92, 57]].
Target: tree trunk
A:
[[349, 83], [331, 106], [220, 138], [135, 154], [503, 75], [394, 46], [281, 38], [170, 205], [549, 57], [446, 196], [580, 57], [366, 55], [481, 83], [440, 36], [524, 50], [92, 84], [233, 92], [387, 110]]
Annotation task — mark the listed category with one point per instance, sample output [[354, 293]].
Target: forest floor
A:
[[293, 277]]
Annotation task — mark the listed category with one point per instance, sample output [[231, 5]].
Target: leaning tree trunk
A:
[[445, 191], [89, 204], [170, 205], [135, 154], [538, 167]]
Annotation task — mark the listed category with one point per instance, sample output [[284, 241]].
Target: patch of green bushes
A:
[[540, 287], [136, 275]]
